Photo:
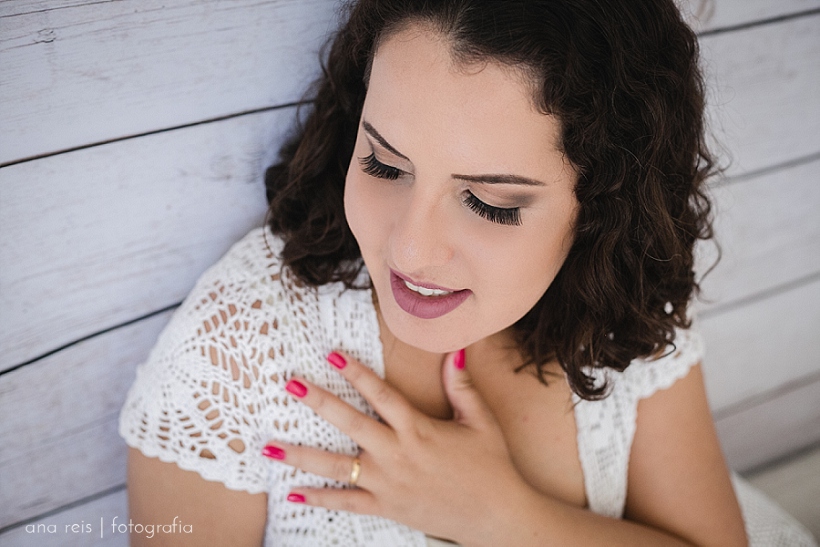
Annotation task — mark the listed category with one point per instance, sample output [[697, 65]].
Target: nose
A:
[[422, 236]]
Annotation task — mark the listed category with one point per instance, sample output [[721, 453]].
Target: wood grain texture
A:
[[58, 437], [769, 231], [764, 108], [76, 73], [112, 509], [707, 15], [101, 236], [794, 484], [81, 464], [756, 348], [766, 431]]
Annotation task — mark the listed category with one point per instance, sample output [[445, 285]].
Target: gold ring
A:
[[354, 472]]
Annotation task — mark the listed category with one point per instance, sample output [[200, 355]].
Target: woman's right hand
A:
[[445, 477]]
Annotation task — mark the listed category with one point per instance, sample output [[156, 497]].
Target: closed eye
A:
[[375, 168], [499, 215]]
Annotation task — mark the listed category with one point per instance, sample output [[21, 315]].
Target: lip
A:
[[419, 283], [425, 307]]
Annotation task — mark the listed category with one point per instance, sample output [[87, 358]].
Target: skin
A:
[[447, 122], [481, 455]]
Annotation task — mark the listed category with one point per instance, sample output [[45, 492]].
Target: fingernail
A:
[[296, 498], [297, 388], [459, 360], [337, 360], [273, 452]]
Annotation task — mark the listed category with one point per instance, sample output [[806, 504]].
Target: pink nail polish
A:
[[273, 452], [459, 360], [296, 498], [296, 388], [337, 360]]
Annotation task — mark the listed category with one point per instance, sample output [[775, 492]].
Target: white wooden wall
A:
[[133, 137]]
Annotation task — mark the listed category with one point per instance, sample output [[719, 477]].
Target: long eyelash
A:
[[375, 168], [508, 217]]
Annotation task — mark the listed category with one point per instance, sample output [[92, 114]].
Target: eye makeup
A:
[[499, 215], [375, 168]]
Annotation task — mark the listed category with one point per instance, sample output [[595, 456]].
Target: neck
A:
[[415, 373]]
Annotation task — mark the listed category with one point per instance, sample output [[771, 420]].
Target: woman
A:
[[522, 179]]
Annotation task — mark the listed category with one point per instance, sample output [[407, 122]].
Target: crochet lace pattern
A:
[[212, 391], [211, 394]]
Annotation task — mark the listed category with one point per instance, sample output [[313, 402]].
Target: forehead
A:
[[477, 110]]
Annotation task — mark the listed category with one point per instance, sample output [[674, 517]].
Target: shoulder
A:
[[648, 375], [248, 290], [207, 392]]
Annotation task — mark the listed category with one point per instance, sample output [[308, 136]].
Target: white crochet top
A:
[[212, 394]]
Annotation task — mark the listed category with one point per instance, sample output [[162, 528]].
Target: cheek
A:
[[524, 267], [364, 212]]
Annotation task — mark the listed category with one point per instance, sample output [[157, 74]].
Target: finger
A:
[[364, 430], [320, 462], [336, 499], [469, 407], [388, 403]]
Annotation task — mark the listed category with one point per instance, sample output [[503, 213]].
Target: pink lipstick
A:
[[425, 307]]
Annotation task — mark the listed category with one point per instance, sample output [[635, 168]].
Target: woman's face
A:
[[461, 202]]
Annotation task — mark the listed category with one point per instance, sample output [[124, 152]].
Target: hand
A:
[[443, 477]]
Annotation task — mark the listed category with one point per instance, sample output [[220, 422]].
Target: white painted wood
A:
[[100, 236], [80, 464], [705, 15], [756, 348], [75, 73], [769, 231], [795, 486], [72, 390], [763, 101], [145, 69], [50, 186], [112, 509], [769, 430], [58, 437]]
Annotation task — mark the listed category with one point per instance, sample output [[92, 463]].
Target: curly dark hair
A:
[[622, 78]]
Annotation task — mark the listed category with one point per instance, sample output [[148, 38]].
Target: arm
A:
[[678, 478], [679, 492], [159, 491]]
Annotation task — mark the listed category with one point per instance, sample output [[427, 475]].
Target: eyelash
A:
[[375, 168], [507, 217], [499, 215]]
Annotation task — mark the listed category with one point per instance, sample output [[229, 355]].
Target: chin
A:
[[431, 335]]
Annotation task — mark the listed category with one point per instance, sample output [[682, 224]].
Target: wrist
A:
[[516, 514]]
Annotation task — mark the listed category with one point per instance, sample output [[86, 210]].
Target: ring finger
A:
[[338, 467]]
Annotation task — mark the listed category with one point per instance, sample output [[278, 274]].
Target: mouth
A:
[[425, 301]]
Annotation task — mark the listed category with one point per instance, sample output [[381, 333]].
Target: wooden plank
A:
[[72, 390], [58, 437], [85, 72], [769, 231], [77, 466], [100, 514], [705, 15], [129, 67], [758, 347], [772, 429], [763, 105], [794, 485], [100, 236]]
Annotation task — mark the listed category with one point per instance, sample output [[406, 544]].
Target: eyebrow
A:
[[481, 179], [375, 134], [500, 179]]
